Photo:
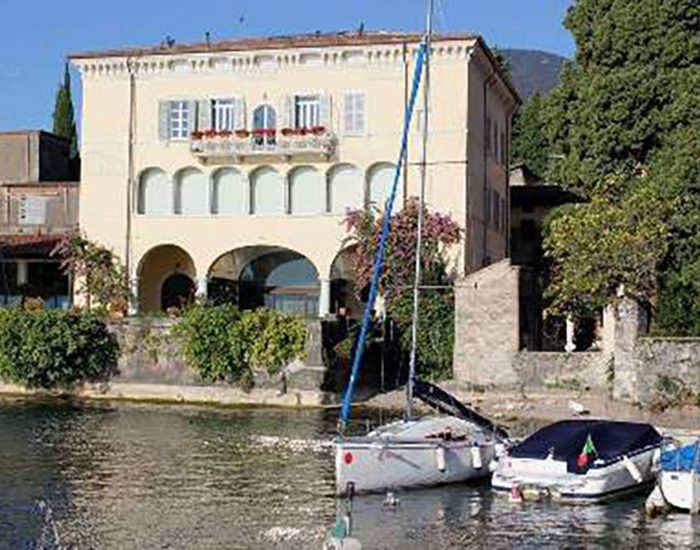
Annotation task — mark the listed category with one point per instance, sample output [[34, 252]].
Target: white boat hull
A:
[[401, 459], [681, 489], [537, 479]]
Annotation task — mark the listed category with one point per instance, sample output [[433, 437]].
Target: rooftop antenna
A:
[[361, 31], [207, 38]]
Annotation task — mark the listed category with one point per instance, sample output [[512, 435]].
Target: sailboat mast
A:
[[421, 211]]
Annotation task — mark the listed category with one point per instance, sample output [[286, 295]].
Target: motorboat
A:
[[678, 484], [456, 446], [580, 461]]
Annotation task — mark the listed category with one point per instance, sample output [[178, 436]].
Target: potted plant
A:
[[242, 133]]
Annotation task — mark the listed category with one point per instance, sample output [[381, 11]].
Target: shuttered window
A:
[[354, 113], [223, 114], [307, 111], [179, 120]]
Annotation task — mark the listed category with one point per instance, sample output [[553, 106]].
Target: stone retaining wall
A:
[[562, 370], [672, 358]]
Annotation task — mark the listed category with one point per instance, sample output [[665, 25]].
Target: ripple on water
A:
[[132, 476]]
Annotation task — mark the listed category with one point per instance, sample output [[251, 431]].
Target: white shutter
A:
[[164, 120], [354, 113], [204, 120], [239, 113], [191, 117], [360, 119], [326, 111], [289, 111]]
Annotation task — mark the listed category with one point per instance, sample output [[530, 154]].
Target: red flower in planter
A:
[[317, 130], [196, 134], [210, 133], [243, 134], [287, 131], [225, 133]]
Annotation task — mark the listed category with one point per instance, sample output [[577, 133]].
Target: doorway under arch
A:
[[266, 276], [163, 264]]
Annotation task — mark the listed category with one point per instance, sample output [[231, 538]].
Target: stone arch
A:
[[267, 191], [307, 192], [346, 188], [229, 193], [158, 265], [380, 177], [266, 276], [154, 193], [191, 192]]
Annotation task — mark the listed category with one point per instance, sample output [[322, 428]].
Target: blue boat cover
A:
[[567, 438], [685, 459]]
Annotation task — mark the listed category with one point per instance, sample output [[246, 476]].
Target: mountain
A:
[[534, 70]]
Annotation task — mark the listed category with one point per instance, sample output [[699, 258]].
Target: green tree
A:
[[64, 115], [623, 129], [530, 143]]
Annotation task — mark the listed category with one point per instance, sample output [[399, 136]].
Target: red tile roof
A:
[[319, 40]]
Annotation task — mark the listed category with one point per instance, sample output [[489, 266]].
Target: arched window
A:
[[267, 192], [192, 192], [381, 178], [307, 191], [155, 193], [230, 195], [346, 189]]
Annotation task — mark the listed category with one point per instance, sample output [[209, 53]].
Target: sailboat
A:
[[454, 446]]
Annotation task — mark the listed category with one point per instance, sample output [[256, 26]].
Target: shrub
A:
[[208, 338], [271, 339], [46, 349], [221, 343]]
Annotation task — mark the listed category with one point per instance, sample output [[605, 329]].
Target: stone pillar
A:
[[631, 321], [324, 299], [570, 333], [22, 272], [202, 287]]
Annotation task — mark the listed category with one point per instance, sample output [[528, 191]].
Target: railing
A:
[[241, 144]]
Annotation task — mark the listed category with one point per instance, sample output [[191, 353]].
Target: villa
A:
[[225, 168]]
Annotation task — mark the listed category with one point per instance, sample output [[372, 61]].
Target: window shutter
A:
[[289, 111], [360, 119], [204, 120], [191, 116], [326, 112], [164, 120], [239, 113]]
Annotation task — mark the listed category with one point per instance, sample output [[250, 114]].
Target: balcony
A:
[[242, 145]]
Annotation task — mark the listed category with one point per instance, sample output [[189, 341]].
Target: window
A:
[[354, 120], [179, 120], [307, 111], [222, 112], [264, 125]]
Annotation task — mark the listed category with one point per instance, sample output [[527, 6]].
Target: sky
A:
[[37, 35]]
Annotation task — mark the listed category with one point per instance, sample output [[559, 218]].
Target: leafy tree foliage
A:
[[623, 128], [440, 232], [98, 272], [530, 143], [64, 115], [436, 323]]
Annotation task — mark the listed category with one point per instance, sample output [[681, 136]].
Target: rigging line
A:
[[379, 256]]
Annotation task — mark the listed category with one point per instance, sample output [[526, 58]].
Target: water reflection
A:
[[104, 476]]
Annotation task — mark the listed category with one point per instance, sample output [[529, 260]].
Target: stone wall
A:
[[673, 358], [562, 370], [150, 354], [630, 365], [487, 326]]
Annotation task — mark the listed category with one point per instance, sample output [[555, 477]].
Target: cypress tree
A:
[[64, 115]]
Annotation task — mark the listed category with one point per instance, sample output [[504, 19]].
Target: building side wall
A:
[[18, 158]]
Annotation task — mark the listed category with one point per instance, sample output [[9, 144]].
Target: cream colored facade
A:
[[158, 201]]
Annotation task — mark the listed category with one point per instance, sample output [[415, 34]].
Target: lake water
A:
[[76, 475]]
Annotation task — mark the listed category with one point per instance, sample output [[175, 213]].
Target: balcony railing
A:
[[242, 144]]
